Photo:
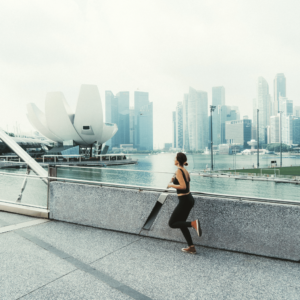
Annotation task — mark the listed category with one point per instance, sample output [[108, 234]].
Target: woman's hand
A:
[[170, 185], [172, 180]]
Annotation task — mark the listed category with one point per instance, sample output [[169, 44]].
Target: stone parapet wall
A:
[[252, 227]]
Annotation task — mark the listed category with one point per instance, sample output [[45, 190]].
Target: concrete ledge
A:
[[24, 210], [103, 207], [251, 227]]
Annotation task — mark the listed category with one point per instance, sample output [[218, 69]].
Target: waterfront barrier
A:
[[248, 225]]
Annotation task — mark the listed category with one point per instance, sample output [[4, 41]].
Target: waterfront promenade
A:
[[42, 259]]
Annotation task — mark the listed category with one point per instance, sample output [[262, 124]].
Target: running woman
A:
[[181, 182]]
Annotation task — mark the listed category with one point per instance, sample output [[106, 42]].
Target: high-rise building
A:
[[134, 124], [141, 99], [111, 115], [218, 100], [227, 113], [296, 130], [179, 125], [286, 109], [217, 127], [123, 134], [279, 90], [275, 129], [117, 111], [146, 127], [186, 145], [197, 119], [297, 111], [131, 125], [174, 129], [263, 98], [218, 95], [238, 132], [254, 122]]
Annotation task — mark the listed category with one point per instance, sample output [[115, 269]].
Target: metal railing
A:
[[50, 178]]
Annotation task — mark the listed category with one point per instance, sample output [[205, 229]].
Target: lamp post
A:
[[212, 108]]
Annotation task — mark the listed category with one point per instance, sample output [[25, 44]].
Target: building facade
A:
[[238, 132], [141, 99], [279, 90], [296, 130], [218, 95], [197, 119], [275, 129], [146, 127], [174, 145], [179, 125], [263, 99], [186, 144]]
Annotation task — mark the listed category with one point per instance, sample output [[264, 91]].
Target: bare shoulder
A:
[[187, 174]]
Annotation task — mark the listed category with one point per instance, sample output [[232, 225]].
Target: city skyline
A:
[[58, 45]]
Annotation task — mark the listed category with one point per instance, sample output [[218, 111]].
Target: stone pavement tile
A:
[[82, 242], [11, 219], [26, 267], [160, 270], [76, 285]]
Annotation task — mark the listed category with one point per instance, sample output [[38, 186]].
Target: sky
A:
[[160, 46]]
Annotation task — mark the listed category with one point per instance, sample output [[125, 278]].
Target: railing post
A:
[[52, 172]]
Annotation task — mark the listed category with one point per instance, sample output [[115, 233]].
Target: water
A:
[[36, 191]]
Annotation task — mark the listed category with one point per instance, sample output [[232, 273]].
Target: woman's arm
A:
[[181, 185]]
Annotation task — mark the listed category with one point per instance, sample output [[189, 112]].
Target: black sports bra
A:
[[187, 183]]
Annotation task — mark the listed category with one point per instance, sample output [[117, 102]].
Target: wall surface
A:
[[103, 207], [252, 227]]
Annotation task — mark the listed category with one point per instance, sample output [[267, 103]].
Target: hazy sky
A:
[[158, 46]]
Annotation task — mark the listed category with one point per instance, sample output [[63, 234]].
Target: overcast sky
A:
[[158, 46]]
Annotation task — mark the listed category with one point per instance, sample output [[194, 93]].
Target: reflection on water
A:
[[36, 191], [165, 163]]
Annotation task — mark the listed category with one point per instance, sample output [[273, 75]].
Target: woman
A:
[[181, 182]]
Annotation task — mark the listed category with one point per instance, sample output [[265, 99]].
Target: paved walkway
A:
[[56, 260]]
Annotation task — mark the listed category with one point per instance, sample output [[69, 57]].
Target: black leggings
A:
[[180, 214]]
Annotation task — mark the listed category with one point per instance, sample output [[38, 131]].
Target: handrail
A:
[[150, 188]]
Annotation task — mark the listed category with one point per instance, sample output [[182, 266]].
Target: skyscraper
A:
[[179, 125], [279, 90], [218, 95], [146, 127], [117, 111], [254, 122], [286, 108], [263, 98], [111, 115], [123, 134], [275, 129], [141, 99], [296, 130], [174, 129], [217, 125], [198, 119], [227, 113], [218, 100], [131, 125], [297, 111], [186, 144], [238, 132]]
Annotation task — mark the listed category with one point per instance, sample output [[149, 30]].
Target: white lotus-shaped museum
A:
[[59, 123]]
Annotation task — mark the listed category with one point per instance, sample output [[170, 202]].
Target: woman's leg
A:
[[179, 216]]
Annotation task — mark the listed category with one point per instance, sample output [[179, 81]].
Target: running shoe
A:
[[197, 227], [190, 249]]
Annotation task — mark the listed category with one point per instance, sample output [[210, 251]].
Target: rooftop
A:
[[42, 259]]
